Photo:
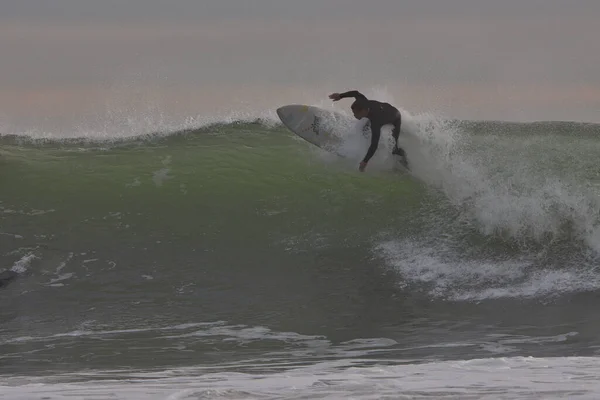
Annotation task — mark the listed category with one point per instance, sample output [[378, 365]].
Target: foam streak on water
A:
[[444, 274]]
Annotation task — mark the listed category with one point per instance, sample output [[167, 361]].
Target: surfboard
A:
[[322, 128], [315, 125]]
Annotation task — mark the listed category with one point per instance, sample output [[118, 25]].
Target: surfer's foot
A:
[[398, 152], [401, 156]]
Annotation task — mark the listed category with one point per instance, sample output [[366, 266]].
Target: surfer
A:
[[379, 114]]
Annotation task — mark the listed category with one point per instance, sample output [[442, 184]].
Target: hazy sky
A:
[[477, 59]]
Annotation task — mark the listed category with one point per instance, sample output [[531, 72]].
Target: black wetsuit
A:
[[379, 114]]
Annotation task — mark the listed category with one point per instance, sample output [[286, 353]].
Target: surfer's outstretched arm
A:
[[352, 93]]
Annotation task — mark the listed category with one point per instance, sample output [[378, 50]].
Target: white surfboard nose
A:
[[285, 112], [282, 112]]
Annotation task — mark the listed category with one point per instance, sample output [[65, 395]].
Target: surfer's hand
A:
[[335, 96], [362, 166]]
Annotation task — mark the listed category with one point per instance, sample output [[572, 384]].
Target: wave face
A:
[[490, 190]]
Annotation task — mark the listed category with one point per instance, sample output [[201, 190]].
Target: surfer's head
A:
[[360, 108]]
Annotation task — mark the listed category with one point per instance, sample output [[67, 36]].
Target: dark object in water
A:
[[7, 277]]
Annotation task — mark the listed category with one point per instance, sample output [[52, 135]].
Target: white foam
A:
[[23, 264], [13, 235], [491, 378], [442, 273], [86, 332], [502, 190]]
